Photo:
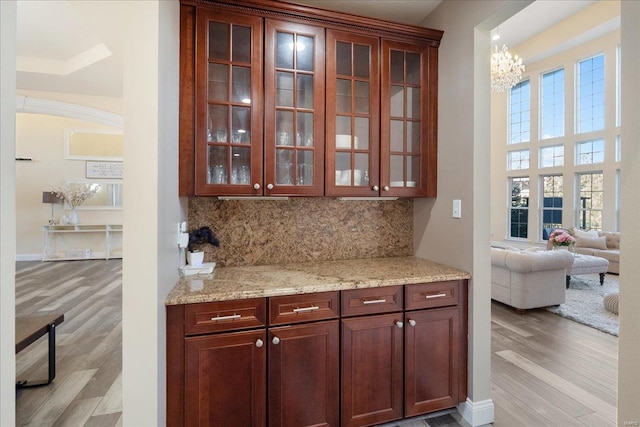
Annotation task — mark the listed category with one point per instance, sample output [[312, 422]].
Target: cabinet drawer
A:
[[224, 316], [428, 295], [357, 302], [303, 308]]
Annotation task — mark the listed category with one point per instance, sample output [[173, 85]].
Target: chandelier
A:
[[506, 70]]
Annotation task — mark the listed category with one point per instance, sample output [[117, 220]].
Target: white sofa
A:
[[603, 244], [529, 278]]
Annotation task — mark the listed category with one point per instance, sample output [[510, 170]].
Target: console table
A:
[[81, 241]]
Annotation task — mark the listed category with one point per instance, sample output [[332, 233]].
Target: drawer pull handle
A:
[[259, 343], [435, 296], [232, 316], [374, 301], [399, 324], [275, 340], [303, 309], [412, 322]]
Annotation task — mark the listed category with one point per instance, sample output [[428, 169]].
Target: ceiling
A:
[[76, 46]]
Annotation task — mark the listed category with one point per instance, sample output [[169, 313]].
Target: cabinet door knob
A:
[[412, 322], [275, 340], [375, 188], [399, 324], [269, 186], [256, 186], [259, 343], [385, 188]]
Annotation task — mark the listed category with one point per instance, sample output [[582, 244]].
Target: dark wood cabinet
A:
[[258, 115]]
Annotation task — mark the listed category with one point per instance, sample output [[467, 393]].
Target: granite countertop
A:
[[230, 283]]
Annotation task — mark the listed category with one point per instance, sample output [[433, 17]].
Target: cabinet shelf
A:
[[81, 242]]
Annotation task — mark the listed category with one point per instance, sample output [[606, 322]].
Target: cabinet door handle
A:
[[269, 186], [399, 324], [232, 316], [412, 322], [385, 188], [374, 301], [259, 343], [303, 309], [256, 186], [275, 340], [375, 188], [435, 296]]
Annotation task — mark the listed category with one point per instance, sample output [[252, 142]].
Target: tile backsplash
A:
[[259, 232]]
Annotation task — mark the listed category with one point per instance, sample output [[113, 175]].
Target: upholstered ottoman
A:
[[587, 264]]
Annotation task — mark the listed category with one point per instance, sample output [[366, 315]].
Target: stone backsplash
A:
[[260, 232]]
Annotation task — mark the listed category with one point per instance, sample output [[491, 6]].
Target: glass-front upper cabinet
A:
[[353, 115], [294, 109], [228, 92], [409, 122]]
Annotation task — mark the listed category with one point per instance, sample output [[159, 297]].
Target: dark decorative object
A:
[[200, 236]]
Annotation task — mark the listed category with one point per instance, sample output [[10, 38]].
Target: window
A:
[[590, 200], [618, 148], [518, 160], [519, 210], [552, 156], [590, 152], [520, 113], [552, 105], [552, 193], [618, 84], [618, 200], [590, 101]]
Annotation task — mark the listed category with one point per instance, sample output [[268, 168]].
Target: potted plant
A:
[[199, 236]]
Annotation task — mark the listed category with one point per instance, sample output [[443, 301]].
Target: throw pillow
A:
[[511, 248], [592, 242], [531, 249], [577, 232]]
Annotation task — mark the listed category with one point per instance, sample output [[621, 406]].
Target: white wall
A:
[[8, 211], [152, 209], [463, 173]]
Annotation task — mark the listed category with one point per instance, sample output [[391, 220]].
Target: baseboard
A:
[[29, 257], [477, 413]]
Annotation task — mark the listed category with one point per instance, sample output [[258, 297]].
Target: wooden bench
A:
[[28, 330]]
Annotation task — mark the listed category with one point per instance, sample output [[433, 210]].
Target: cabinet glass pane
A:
[[397, 101], [362, 97], [217, 165], [343, 96], [240, 165], [343, 132], [284, 128], [304, 50], [304, 169], [413, 102], [413, 68], [343, 59], [284, 167], [241, 84], [241, 44], [304, 130], [397, 66], [361, 171], [240, 125], [362, 133], [217, 123], [305, 91], [284, 50], [218, 40], [343, 168], [284, 89], [397, 171], [413, 137], [218, 82], [397, 135], [413, 171], [362, 61]]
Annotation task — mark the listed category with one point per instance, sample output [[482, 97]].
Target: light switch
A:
[[457, 208]]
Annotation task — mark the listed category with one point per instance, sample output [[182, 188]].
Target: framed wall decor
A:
[[104, 169], [93, 145]]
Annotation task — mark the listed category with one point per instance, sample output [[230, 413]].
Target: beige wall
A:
[[41, 138]]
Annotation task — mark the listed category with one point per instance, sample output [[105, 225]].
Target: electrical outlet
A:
[[457, 208]]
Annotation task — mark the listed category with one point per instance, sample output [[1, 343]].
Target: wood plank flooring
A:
[[87, 390], [546, 370]]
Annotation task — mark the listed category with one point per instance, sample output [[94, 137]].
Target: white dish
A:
[[344, 141], [205, 268], [411, 183], [397, 183]]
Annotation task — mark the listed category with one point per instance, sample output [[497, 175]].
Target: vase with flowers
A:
[[74, 194], [561, 239], [199, 236]]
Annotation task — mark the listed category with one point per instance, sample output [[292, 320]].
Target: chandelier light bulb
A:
[[506, 70]]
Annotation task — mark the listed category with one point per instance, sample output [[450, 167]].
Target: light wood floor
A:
[[546, 370]]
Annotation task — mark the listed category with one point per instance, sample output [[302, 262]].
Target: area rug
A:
[[584, 302]]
